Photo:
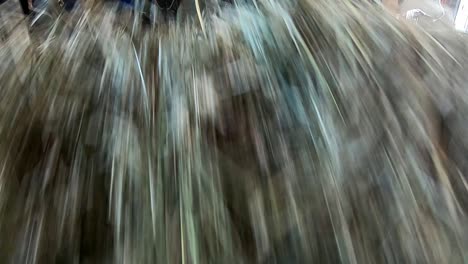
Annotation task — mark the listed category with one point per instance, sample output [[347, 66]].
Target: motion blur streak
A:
[[305, 131]]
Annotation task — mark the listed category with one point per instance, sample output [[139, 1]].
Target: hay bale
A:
[[268, 132]]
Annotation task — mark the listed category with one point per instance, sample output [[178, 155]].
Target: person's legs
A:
[[69, 5], [25, 7]]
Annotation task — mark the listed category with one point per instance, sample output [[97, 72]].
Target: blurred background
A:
[[303, 131], [449, 12]]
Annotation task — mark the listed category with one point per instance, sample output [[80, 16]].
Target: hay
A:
[[274, 132]]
